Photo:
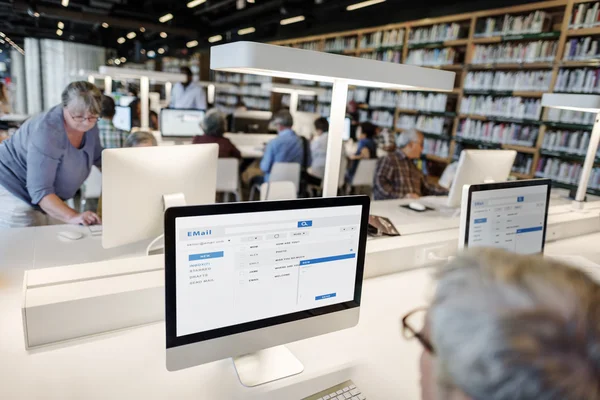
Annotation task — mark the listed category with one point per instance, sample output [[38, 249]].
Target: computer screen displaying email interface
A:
[[237, 268], [511, 219]]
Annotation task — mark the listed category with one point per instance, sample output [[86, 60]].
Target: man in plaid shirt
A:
[[398, 177], [110, 137]]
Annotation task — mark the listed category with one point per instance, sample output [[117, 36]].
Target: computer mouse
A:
[[417, 206], [70, 235]]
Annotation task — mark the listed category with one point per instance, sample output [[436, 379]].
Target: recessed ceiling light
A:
[[195, 3], [216, 38], [117, 61], [363, 4], [292, 20], [65, 3], [123, 59], [143, 51], [36, 14], [105, 25], [59, 32], [2, 34], [161, 51], [131, 35], [142, 29], [121, 40], [151, 53], [246, 31], [163, 35], [61, 25], [192, 43], [110, 62], [251, 1], [165, 18]]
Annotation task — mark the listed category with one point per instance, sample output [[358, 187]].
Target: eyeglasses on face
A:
[[79, 118], [410, 329]]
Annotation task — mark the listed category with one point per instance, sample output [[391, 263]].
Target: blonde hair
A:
[[82, 96], [513, 327]]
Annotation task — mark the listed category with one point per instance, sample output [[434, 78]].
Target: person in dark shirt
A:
[[214, 125], [367, 147]]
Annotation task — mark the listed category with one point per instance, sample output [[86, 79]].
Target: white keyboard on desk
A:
[[344, 391], [435, 201]]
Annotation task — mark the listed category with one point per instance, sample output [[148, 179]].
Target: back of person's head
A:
[[321, 124], [140, 139], [283, 118], [186, 70], [512, 327], [407, 137], [82, 96], [214, 123], [368, 129], [108, 107]]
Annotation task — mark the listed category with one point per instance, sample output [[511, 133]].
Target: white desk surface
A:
[[250, 145], [13, 117]]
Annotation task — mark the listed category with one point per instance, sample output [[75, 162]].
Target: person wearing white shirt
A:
[[318, 150], [188, 95]]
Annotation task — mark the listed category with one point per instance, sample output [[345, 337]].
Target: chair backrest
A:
[[343, 168], [365, 172], [282, 190], [289, 172], [92, 187], [228, 175]]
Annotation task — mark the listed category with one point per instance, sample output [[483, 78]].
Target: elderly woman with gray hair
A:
[[503, 326], [214, 126], [46, 161]]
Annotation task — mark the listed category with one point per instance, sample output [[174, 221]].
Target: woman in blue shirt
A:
[[367, 148], [47, 160]]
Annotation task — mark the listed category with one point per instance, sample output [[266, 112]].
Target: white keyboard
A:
[[434, 201], [343, 391]]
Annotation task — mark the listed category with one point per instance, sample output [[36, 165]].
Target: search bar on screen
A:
[[261, 228]]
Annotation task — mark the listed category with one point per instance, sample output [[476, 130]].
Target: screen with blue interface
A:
[[237, 268]]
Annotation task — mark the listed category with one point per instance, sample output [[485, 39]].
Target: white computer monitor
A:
[[125, 101], [509, 215], [135, 182], [243, 277], [122, 118], [181, 123], [480, 166], [347, 128]]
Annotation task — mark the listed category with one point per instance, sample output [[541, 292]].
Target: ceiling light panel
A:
[[363, 4], [292, 20], [195, 3], [214, 39], [165, 18], [246, 31]]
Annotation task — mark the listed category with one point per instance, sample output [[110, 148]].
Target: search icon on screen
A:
[[304, 224]]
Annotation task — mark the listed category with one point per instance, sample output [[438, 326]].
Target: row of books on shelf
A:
[[436, 33], [515, 52], [340, 44], [575, 143], [508, 81], [565, 172], [358, 95], [580, 80], [432, 57], [523, 164], [534, 22], [303, 82], [424, 123], [384, 119], [506, 107], [321, 109], [570, 116], [581, 49], [423, 101], [585, 15], [500, 133], [257, 103], [393, 56], [392, 37], [226, 99], [241, 78], [383, 98], [436, 147], [285, 99], [314, 45]]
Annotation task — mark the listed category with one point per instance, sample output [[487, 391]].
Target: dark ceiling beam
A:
[[60, 13], [214, 7], [247, 14]]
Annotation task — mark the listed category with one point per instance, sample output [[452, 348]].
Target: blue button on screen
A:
[[304, 224]]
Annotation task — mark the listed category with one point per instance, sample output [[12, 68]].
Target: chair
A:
[[228, 178], [315, 191], [281, 190], [91, 188], [365, 173], [289, 172]]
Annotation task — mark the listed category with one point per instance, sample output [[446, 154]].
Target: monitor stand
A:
[[267, 365], [169, 200]]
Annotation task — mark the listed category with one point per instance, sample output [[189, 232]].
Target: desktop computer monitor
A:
[[347, 128], [252, 121], [181, 123], [509, 215], [243, 277], [138, 184], [122, 118], [480, 166], [125, 101]]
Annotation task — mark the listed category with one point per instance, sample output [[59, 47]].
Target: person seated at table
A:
[[5, 107], [397, 176], [136, 116], [318, 152], [367, 147], [110, 136], [503, 326], [214, 126], [287, 147], [47, 160]]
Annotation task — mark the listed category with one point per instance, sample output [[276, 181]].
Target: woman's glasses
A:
[[79, 119], [410, 330]]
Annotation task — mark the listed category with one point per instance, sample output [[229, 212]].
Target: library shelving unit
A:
[[505, 60], [246, 88]]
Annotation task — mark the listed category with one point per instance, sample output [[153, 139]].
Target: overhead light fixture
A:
[[161, 51], [250, 1], [65, 3], [143, 51], [246, 31], [123, 59], [292, 20], [2, 34], [195, 3], [192, 43], [117, 61], [142, 29], [163, 35], [121, 40], [61, 25], [216, 38], [363, 4], [151, 54], [105, 25], [165, 18], [59, 32], [131, 35], [36, 14]]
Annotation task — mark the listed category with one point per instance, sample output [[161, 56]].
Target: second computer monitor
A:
[[180, 123], [122, 118], [480, 166]]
